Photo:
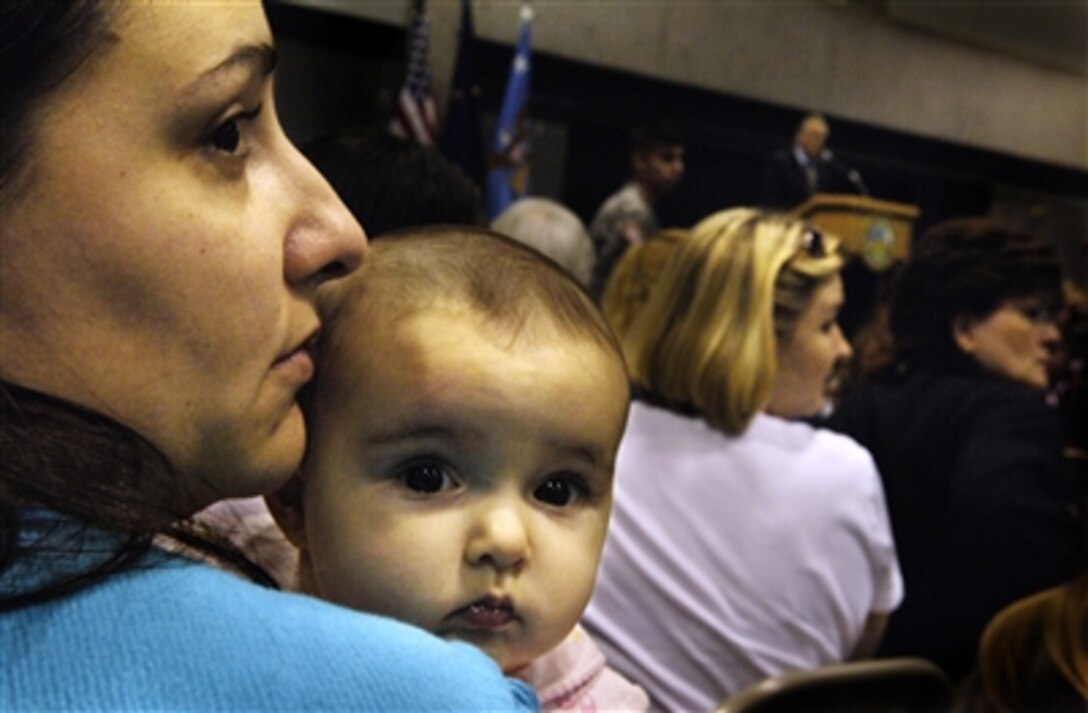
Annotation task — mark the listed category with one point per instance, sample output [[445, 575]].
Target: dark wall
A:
[[338, 71]]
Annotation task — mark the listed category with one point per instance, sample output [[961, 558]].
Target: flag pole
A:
[[508, 173]]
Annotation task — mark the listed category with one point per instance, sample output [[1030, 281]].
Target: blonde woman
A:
[[743, 543], [635, 274]]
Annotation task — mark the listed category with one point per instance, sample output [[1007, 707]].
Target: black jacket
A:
[[785, 185], [981, 505]]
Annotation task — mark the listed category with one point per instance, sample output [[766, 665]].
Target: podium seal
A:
[[877, 247]]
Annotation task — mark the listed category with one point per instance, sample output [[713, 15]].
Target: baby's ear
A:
[[286, 507]]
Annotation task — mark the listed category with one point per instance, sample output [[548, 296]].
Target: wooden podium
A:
[[876, 231]]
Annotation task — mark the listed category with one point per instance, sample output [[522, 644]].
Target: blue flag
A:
[[508, 177], [462, 135]]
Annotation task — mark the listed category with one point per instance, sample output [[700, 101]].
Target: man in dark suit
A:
[[805, 168]]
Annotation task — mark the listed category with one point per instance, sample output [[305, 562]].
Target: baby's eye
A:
[[560, 491], [426, 478]]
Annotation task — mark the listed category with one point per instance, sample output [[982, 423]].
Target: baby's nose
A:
[[500, 538]]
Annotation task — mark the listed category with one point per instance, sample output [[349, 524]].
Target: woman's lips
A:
[[296, 366]]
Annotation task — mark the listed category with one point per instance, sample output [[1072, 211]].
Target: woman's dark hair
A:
[[56, 456], [390, 183], [41, 45], [967, 267], [60, 457]]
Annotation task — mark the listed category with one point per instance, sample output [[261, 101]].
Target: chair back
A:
[[896, 685]]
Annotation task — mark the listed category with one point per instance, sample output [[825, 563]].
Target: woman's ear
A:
[[963, 333], [286, 506]]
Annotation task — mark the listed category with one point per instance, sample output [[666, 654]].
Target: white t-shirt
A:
[[731, 559]]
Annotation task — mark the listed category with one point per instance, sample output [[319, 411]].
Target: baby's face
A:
[[461, 480]]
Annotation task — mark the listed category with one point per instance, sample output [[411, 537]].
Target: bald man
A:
[[796, 173]]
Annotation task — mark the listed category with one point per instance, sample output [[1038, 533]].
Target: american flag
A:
[[415, 117]]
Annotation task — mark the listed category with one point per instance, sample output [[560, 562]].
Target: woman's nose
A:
[[1050, 334], [499, 538], [325, 241], [845, 349]]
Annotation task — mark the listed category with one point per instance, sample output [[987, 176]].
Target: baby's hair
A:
[[507, 284]]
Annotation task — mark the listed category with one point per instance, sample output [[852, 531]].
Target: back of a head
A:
[[389, 183], [966, 268], [508, 285], [634, 276], [652, 137], [552, 229], [706, 338], [1033, 654]]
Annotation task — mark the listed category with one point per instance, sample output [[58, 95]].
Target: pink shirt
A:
[[574, 677]]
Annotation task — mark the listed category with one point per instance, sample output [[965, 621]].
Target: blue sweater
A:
[[183, 635]]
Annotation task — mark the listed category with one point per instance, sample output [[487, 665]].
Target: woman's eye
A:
[[1037, 313], [227, 137], [426, 478], [559, 492]]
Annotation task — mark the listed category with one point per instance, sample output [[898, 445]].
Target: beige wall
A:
[[843, 59]]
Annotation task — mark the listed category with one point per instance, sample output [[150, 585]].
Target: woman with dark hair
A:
[[162, 245], [969, 451]]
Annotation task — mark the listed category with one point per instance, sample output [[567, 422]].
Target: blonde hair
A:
[[706, 338], [634, 276]]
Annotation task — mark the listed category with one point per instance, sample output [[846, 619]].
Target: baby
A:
[[463, 426]]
